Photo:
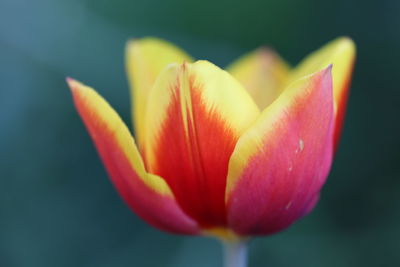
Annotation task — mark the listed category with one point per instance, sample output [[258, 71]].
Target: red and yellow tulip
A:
[[233, 153]]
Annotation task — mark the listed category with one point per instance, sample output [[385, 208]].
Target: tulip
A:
[[231, 154]]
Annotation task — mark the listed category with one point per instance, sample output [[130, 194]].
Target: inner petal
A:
[[195, 115], [194, 146]]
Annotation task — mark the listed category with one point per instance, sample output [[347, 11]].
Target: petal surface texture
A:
[[196, 113], [263, 73], [148, 195], [341, 54], [280, 163], [145, 59]]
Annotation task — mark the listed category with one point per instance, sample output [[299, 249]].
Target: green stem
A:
[[235, 254]]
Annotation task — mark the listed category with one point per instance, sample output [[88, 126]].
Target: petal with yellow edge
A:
[[281, 162], [145, 59], [196, 113], [341, 54], [263, 73], [148, 195]]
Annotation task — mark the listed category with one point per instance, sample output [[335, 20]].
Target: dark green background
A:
[[57, 207]]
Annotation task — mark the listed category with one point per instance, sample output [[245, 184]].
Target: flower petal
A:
[[341, 54], [196, 113], [263, 73], [145, 59], [311, 205], [148, 195], [281, 162]]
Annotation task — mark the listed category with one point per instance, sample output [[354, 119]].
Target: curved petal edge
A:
[[280, 163], [145, 59], [147, 195], [341, 53], [262, 73], [196, 113]]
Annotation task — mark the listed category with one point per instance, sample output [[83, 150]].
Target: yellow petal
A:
[[263, 73], [145, 59], [340, 53]]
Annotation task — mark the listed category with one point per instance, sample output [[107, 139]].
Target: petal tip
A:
[[131, 42], [328, 70], [73, 84], [325, 77], [347, 43], [347, 40], [267, 52], [70, 81]]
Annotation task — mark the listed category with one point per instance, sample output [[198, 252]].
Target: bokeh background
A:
[[57, 207]]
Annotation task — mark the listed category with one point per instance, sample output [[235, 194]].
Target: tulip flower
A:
[[231, 154]]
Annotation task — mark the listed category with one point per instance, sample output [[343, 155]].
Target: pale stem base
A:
[[235, 254]]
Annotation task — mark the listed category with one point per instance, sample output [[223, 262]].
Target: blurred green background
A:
[[57, 207]]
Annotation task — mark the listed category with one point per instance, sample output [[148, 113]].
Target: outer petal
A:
[[340, 53], [279, 164], [148, 195], [263, 73], [196, 113], [145, 59]]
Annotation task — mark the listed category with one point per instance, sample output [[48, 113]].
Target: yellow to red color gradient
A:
[[232, 153]]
